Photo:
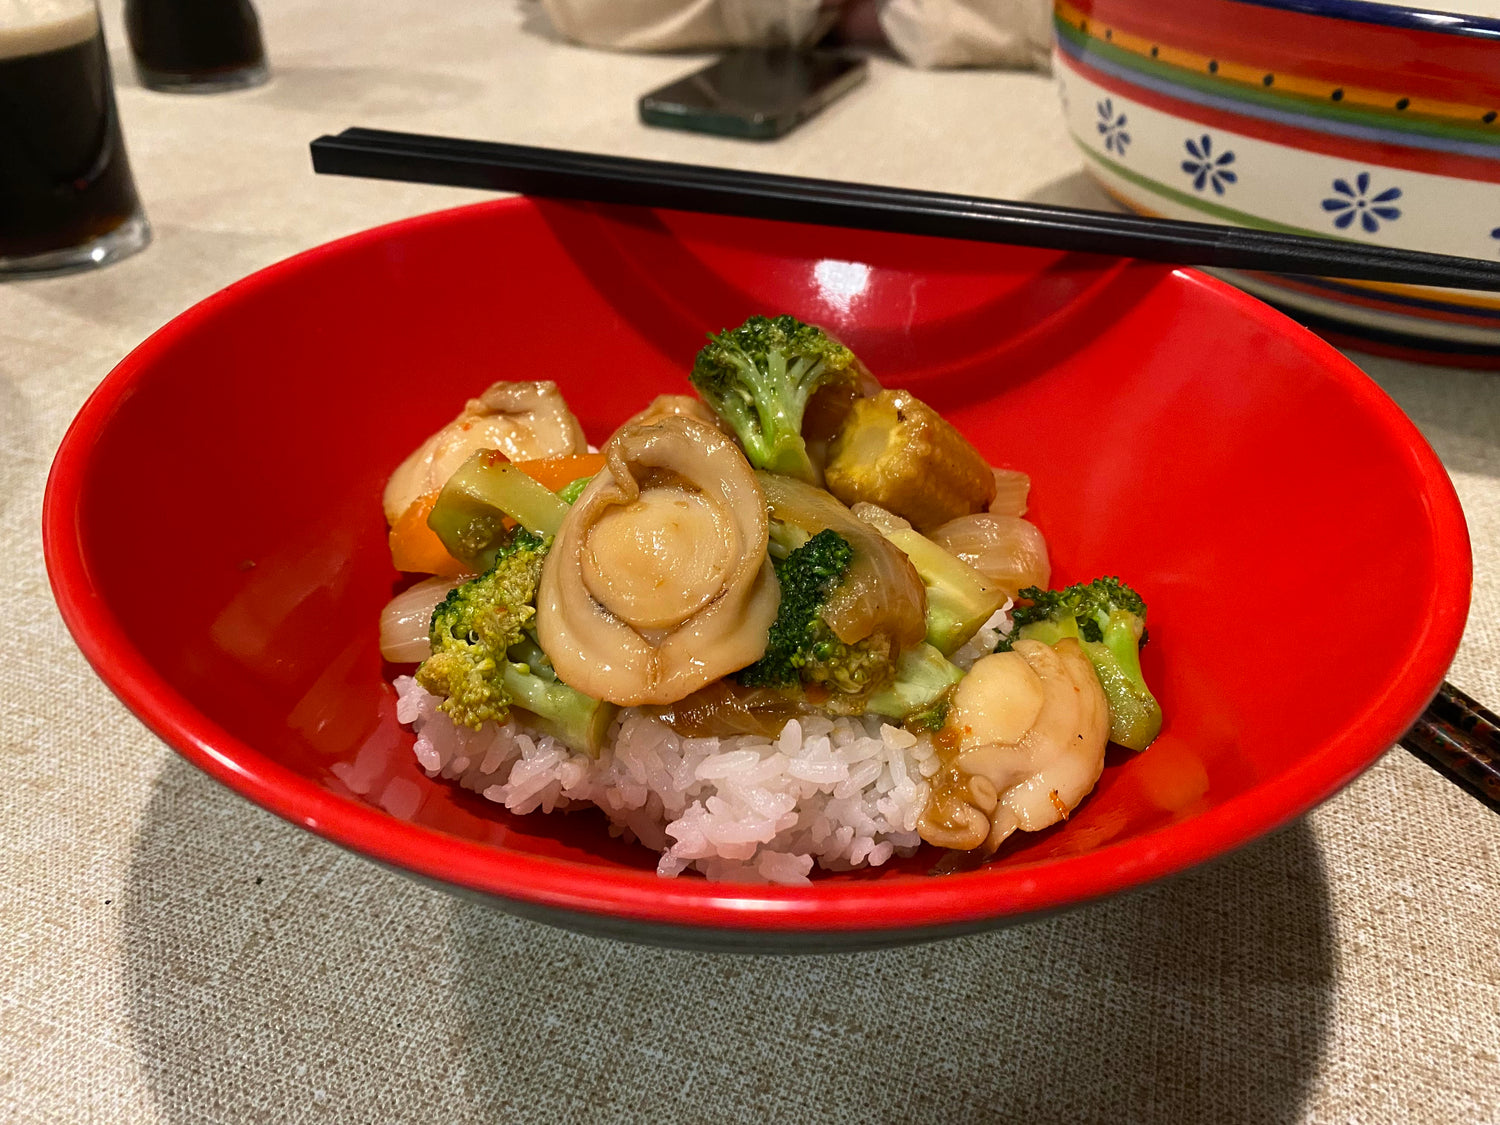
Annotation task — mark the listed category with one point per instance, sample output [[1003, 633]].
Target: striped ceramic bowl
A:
[[1347, 118]]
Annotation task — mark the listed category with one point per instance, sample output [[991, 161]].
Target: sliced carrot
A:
[[558, 472], [416, 548]]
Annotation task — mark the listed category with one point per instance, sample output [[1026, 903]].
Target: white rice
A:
[[983, 642], [842, 793]]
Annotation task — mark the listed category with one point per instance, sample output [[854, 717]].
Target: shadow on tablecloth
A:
[[271, 977]]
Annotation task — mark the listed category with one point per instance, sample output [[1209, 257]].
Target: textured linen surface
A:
[[169, 953]]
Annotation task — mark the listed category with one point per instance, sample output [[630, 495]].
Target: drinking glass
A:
[[67, 199]]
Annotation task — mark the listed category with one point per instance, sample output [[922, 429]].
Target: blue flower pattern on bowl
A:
[[1495, 233], [1206, 168], [1112, 127], [1356, 202]]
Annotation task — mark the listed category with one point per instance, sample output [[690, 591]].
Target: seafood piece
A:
[[1023, 745], [524, 421], [686, 406], [658, 581]]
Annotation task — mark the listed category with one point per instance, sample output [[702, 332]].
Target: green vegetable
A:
[[784, 538], [469, 515], [758, 379], [476, 632], [563, 712], [1109, 620], [570, 493], [959, 600], [919, 693], [802, 648], [931, 718]]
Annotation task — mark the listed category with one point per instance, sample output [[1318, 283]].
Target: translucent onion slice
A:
[[406, 621], [1011, 490], [887, 523], [723, 709], [1005, 549]]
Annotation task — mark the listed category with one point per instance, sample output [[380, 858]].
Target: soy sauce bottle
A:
[[196, 45]]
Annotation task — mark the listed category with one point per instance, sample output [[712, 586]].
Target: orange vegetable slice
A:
[[415, 547], [558, 472]]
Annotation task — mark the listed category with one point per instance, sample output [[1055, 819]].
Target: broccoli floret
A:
[[802, 648], [476, 633], [758, 378], [1109, 620]]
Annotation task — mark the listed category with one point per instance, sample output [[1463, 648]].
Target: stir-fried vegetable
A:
[[758, 378], [919, 693], [880, 592], [959, 599], [557, 473], [1008, 551], [482, 500], [896, 451], [417, 549], [802, 646], [1109, 620], [475, 631]]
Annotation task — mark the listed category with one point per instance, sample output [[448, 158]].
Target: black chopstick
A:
[[378, 154], [1461, 740]]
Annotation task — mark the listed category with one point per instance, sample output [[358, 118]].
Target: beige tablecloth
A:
[[168, 953]]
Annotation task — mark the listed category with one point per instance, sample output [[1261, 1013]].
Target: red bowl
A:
[[215, 541]]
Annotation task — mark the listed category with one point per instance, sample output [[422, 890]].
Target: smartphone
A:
[[755, 92]]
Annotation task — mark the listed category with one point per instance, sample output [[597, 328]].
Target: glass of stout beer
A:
[[196, 46], [67, 200]]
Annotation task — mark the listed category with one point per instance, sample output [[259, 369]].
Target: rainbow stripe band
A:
[[1400, 117]]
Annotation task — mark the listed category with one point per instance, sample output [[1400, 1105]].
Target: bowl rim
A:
[[924, 903], [1390, 15]]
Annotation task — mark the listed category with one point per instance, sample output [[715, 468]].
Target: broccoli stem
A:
[[580, 721], [569, 493], [1049, 632], [1135, 718], [790, 458], [959, 600], [923, 677], [526, 651], [469, 515], [784, 538], [1134, 715]]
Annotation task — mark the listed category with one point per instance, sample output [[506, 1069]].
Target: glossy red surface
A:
[[214, 533]]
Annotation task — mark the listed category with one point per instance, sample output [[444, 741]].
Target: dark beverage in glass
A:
[[67, 200], [196, 46]]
